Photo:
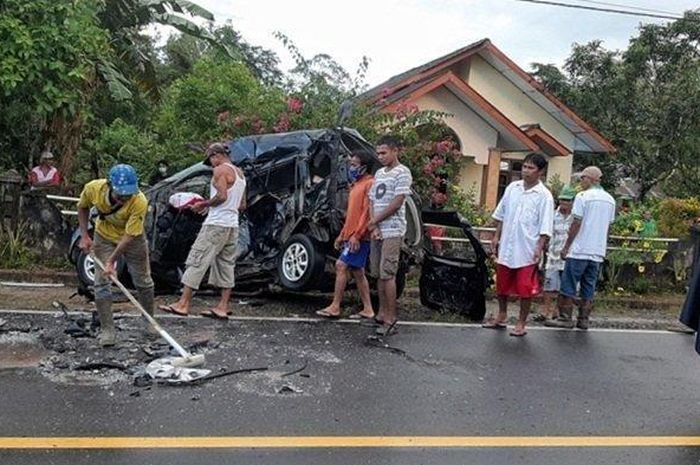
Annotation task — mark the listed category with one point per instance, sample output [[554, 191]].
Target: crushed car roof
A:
[[251, 147]]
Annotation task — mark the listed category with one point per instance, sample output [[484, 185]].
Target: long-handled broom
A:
[[186, 359]]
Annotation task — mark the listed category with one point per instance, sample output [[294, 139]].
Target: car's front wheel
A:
[[85, 266], [300, 263]]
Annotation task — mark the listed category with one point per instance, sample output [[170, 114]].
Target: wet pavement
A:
[[326, 379]]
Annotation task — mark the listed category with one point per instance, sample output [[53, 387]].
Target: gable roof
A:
[[514, 138], [587, 138]]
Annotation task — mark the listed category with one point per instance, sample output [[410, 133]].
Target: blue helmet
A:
[[124, 180]]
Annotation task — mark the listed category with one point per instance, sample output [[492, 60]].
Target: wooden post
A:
[[493, 169]]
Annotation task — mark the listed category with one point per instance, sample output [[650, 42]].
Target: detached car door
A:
[[454, 275]]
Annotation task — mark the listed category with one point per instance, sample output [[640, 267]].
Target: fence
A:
[[642, 263], [61, 198]]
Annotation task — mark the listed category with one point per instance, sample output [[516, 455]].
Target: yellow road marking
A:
[[296, 442]]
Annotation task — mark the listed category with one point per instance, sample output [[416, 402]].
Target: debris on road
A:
[[294, 372], [100, 365], [167, 369], [288, 389]]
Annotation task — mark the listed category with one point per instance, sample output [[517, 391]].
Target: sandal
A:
[[360, 316], [329, 316], [372, 322], [387, 330], [213, 314], [493, 324], [172, 310]]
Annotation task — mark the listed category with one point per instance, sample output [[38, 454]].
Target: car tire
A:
[[85, 267], [300, 263]]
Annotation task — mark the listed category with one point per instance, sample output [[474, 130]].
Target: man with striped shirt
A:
[[392, 184]]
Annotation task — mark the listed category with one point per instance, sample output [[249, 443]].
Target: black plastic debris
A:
[[143, 380], [100, 366], [298, 370]]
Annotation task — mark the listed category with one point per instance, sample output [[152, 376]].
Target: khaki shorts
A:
[[384, 257], [214, 250]]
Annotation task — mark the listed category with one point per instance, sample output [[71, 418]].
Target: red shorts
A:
[[519, 282]]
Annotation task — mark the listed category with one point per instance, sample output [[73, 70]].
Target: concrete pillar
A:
[[493, 169]]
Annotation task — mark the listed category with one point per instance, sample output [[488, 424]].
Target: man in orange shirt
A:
[[354, 241]]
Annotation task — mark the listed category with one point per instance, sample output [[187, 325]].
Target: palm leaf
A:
[[179, 6], [115, 80]]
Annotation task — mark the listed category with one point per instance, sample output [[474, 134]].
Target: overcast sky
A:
[[399, 34]]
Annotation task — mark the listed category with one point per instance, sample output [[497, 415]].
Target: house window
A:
[[511, 170]]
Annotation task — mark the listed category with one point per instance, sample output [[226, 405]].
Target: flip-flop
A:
[[212, 314], [325, 314], [170, 309], [359, 316], [494, 325], [387, 330], [371, 322], [515, 333]]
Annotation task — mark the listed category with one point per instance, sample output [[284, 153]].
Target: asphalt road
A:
[[442, 395]]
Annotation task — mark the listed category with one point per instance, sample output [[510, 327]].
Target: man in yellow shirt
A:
[[119, 230]]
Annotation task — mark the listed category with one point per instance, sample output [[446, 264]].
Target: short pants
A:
[[552, 280], [519, 282], [583, 272], [384, 257], [355, 259]]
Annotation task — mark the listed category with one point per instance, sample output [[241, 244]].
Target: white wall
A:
[[561, 166], [471, 175], [512, 102], [475, 135]]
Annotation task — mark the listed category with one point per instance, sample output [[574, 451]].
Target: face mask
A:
[[162, 170], [355, 173]]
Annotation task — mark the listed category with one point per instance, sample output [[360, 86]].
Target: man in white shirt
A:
[[584, 250], [524, 219]]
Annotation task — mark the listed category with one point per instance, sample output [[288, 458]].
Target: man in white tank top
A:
[[215, 246]]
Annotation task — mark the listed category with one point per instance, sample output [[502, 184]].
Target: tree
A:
[[644, 99], [182, 51], [49, 52], [213, 92]]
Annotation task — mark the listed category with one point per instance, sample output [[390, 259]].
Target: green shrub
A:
[[15, 253], [642, 285], [677, 215], [466, 204]]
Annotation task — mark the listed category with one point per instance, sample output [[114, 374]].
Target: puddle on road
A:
[[20, 350]]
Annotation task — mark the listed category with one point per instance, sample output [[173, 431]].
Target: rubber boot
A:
[[107, 335], [146, 299], [584, 313], [564, 320]]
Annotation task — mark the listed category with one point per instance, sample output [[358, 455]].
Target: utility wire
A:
[[606, 10], [629, 7]]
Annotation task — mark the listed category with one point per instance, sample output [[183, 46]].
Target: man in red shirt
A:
[[44, 174], [353, 240]]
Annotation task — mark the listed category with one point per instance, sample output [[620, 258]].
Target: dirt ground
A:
[[280, 304]]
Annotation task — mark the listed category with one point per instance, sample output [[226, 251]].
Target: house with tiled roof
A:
[[498, 114]]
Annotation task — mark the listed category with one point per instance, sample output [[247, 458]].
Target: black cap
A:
[[215, 148]]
